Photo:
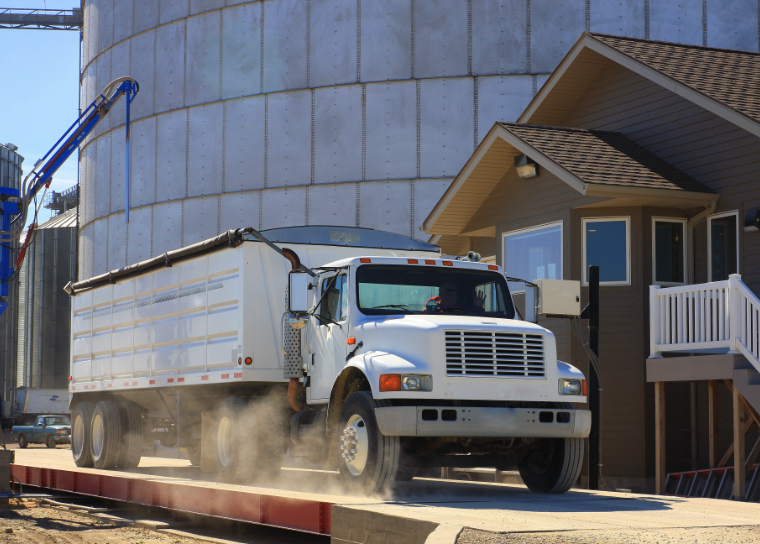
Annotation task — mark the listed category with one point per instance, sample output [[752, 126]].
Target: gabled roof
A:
[[722, 81], [593, 162], [62, 220]]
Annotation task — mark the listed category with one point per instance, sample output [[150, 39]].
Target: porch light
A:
[[526, 167]]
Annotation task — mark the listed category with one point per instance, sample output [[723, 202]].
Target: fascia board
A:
[[669, 195]]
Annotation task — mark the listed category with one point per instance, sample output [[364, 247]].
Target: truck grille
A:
[[486, 353]]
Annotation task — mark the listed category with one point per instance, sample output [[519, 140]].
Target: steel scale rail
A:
[[239, 504]]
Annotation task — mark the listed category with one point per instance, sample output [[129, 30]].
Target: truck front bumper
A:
[[483, 422]]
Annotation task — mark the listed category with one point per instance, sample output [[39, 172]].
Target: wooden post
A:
[[659, 437], [712, 421], [739, 472]]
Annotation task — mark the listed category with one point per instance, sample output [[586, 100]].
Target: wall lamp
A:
[[526, 167]]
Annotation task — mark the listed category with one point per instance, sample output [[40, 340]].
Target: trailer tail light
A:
[[248, 360], [390, 382], [365, 260], [448, 263], [492, 267], [412, 261], [429, 261]]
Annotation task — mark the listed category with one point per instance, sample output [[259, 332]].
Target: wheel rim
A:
[[77, 436], [224, 441], [21, 440], [97, 435], [354, 445]]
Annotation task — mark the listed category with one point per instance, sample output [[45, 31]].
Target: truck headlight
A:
[[571, 387], [405, 382]]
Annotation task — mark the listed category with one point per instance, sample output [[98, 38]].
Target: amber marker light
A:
[[448, 263], [390, 382], [248, 360], [429, 262], [584, 388], [365, 260], [350, 341], [492, 267], [412, 261]]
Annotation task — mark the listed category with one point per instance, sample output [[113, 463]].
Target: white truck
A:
[[362, 350], [31, 403]]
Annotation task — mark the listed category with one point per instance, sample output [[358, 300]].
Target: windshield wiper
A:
[[401, 306]]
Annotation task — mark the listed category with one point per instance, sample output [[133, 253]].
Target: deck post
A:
[[734, 304], [712, 421], [654, 323], [659, 440], [739, 472]]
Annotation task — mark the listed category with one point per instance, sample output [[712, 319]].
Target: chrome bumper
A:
[[483, 422]]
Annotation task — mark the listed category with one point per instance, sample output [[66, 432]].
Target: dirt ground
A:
[[34, 524]]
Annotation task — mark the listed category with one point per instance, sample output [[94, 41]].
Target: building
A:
[[647, 158]]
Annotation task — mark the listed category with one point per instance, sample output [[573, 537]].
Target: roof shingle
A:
[[604, 158]]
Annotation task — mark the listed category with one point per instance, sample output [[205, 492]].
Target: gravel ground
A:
[[707, 535], [31, 524]]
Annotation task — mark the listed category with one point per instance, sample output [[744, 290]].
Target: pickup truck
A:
[[48, 430]]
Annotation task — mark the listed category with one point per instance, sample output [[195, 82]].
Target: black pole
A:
[[594, 392]]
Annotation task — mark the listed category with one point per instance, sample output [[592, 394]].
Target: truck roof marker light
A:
[[390, 382], [365, 260], [429, 261], [412, 261], [351, 341], [584, 388], [248, 360], [448, 263], [492, 267]]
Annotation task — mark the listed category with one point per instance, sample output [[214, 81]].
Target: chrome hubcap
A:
[[224, 441], [97, 436], [78, 436], [354, 445]]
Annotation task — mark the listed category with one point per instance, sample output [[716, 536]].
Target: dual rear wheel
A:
[[107, 435]]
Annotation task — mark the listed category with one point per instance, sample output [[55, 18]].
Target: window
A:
[[722, 246], [335, 302], [606, 244], [668, 250], [534, 253]]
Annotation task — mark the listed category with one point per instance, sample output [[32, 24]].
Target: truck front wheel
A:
[[81, 427], [368, 461], [555, 467]]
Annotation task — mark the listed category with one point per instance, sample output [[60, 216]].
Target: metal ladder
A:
[[712, 483]]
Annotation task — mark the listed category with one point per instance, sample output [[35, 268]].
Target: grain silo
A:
[[43, 341], [294, 112], [10, 177]]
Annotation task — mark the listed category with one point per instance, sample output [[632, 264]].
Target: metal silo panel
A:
[[616, 17], [240, 210], [244, 144], [203, 52], [117, 241], [732, 24], [427, 193], [199, 6], [679, 22], [171, 10], [118, 197], [102, 192], [23, 305], [90, 46], [167, 227], [386, 205], [283, 207], [446, 126], [333, 42], [501, 98], [499, 37], [146, 14], [172, 156], [85, 252], [391, 130], [440, 38], [554, 28], [201, 219], [241, 50], [170, 64], [142, 66], [337, 127], [333, 204], [386, 40], [205, 153], [102, 78], [140, 233], [86, 199], [142, 177], [119, 68], [101, 243], [122, 16], [105, 24], [284, 45], [289, 147]]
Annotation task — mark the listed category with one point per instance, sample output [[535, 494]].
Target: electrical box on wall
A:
[[559, 297]]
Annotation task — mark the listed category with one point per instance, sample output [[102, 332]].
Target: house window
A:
[[534, 253], [607, 244], [722, 245], [668, 250]]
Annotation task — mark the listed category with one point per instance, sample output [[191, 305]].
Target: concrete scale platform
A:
[[427, 510]]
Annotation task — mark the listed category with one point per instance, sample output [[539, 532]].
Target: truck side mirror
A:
[[298, 298]]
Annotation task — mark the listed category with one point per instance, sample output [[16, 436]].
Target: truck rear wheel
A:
[[50, 441], [554, 468], [368, 461], [81, 428], [106, 435], [22, 443], [132, 436]]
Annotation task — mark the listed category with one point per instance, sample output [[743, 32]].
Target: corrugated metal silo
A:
[[290, 112], [44, 342], [10, 176]]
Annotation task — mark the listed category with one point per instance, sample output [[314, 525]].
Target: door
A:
[[38, 431], [327, 336]]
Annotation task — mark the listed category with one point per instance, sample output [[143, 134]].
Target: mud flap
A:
[[208, 461]]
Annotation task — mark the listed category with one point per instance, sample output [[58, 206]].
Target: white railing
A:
[[708, 316]]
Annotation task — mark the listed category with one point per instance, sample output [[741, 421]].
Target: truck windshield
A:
[[385, 290]]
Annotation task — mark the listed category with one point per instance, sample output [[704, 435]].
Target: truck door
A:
[[39, 428], [327, 337]]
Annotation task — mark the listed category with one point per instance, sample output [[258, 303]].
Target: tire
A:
[[106, 433], [132, 436], [235, 438], [81, 428], [194, 454], [22, 443], [50, 441], [368, 461]]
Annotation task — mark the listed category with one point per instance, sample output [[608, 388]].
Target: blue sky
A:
[[39, 90]]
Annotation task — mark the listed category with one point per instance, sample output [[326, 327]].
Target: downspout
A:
[[709, 209]]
